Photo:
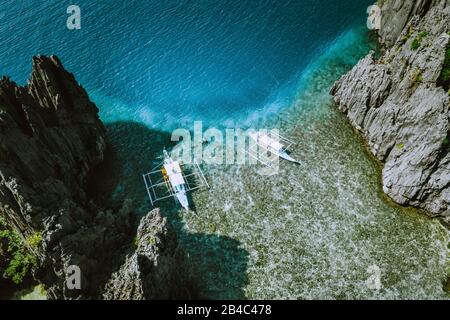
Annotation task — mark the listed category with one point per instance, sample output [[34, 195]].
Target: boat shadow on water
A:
[[218, 263]]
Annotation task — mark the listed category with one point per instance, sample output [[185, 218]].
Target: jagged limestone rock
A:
[[396, 14], [399, 106], [51, 139], [154, 270]]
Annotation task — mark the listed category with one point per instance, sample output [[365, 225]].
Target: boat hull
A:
[[182, 199], [287, 157]]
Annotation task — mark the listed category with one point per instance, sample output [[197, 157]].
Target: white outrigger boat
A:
[[273, 143], [168, 180]]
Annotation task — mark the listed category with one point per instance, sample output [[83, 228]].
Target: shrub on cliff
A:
[[22, 260], [417, 42]]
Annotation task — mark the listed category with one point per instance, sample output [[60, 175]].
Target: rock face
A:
[[402, 108], [51, 140], [148, 272], [396, 14]]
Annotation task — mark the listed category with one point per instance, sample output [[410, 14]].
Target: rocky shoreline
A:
[[51, 142], [400, 102]]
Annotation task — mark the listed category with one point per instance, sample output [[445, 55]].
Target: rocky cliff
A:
[[396, 14], [51, 140], [400, 102], [148, 270]]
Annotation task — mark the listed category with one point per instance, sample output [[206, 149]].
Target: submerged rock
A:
[[400, 106]]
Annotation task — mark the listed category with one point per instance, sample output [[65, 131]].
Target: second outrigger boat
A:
[[274, 143]]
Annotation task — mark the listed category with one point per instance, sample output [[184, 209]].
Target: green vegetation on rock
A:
[[446, 141], [34, 240], [417, 42], [135, 242], [34, 293], [22, 259], [151, 240], [417, 77], [408, 35]]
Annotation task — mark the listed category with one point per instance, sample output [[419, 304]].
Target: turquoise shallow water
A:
[[314, 230], [317, 230]]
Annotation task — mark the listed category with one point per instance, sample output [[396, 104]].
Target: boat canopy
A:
[[174, 173]]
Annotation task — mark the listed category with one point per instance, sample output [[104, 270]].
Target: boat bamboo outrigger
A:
[[273, 143], [168, 180]]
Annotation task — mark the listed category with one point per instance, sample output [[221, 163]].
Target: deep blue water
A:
[[168, 63]]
